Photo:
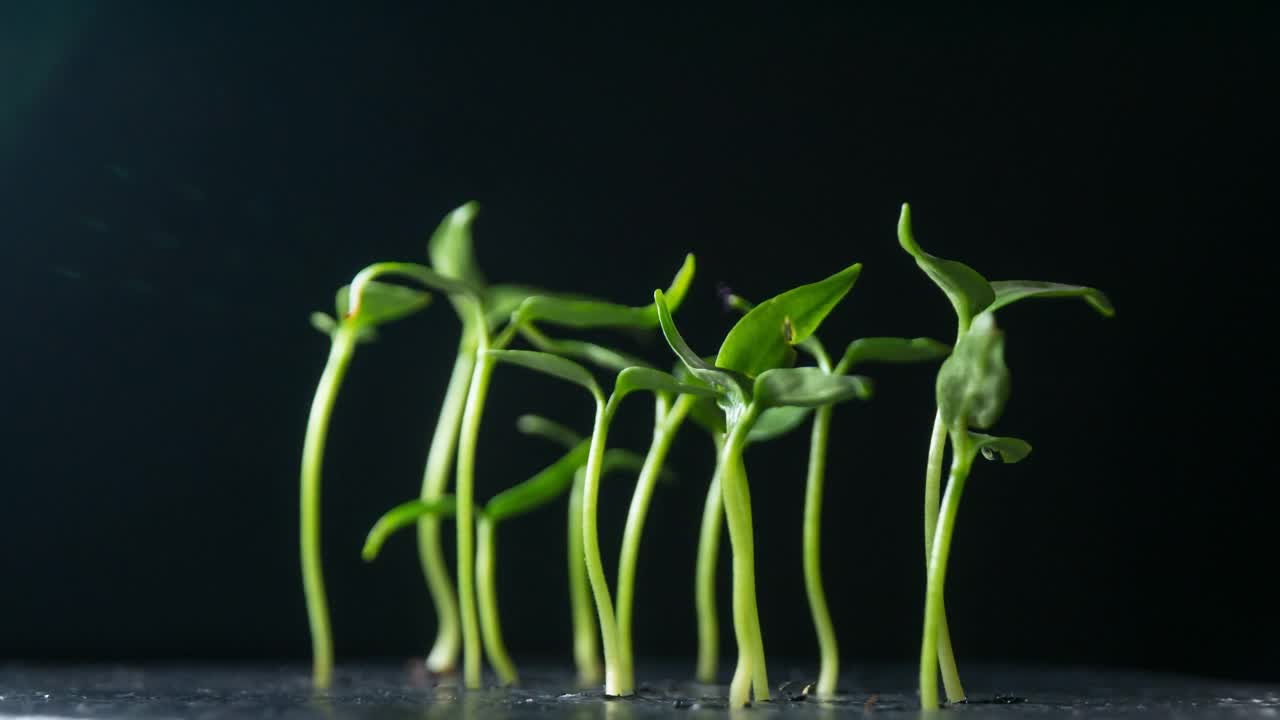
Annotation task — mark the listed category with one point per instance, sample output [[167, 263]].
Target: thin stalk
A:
[[615, 682], [829, 670], [933, 614], [705, 582], [487, 589], [340, 352], [932, 493], [586, 640], [751, 672], [435, 481], [667, 421], [465, 522]]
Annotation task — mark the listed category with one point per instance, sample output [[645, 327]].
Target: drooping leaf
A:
[[764, 337], [381, 303], [597, 355], [973, 383], [581, 313], [539, 489], [1011, 291], [549, 364], [450, 248], [403, 516], [502, 300], [777, 421], [643, 378], [890, 350], [807, 387], [548, 429], [733, 387], [999, 449], [703, 411], [969, 292]]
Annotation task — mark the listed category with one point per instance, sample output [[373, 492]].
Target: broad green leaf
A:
[[733, 387], [973, 384], [597, 355], [539, 489], [381, 303], [402, 516], [322, 322], [1011, 291], [764, 337], [776, 422], [890, 350], [1001, 449], [580, 313], [642, 378], [548, 430], [450, 248], [969, 292], [549, 364], [808, 387]]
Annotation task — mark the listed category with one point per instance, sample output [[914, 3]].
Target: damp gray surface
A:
[[405, 691]]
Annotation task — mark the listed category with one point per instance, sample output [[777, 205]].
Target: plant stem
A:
[[932, 492], [705, 584], [667, 420], [341, 349], [487, 589], [829, 670], [435, 481], [615, 682], [465, 522], [586, 641], [934, 613], [751, 672]]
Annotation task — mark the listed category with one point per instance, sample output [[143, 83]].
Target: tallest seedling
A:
[[970, 295]]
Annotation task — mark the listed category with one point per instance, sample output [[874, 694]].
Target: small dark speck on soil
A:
[[682, 704]]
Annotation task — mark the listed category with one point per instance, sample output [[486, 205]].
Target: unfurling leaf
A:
[[890, 350], [450, 247], [973, 384], [1002, 449], [402, 516], [585, 313], [380, 304], [733, 387], [549, 364], [807, 387], [1011, 291], [969, 292]]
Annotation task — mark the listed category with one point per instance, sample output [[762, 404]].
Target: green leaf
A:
[[502, 300], [764, 337], [1011, 291], [450, 248], [1002, 449], [580, 313], [973, 384], [381, 303], [548, 430], [808, 387], [402, 516], [890, 350], [969, 292], [642, 378], [733, 387], [597, 355], [549, 364], [776, 422], [539, 489], [322, 322]]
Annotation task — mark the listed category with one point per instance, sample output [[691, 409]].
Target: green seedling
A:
[[970, 294], [619, 674], [383, 304], [751, 374]]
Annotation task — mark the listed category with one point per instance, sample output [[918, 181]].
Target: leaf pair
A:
[[384, 303]]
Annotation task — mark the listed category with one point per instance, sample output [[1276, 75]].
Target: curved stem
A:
[[829, 670], [751, 672], [933, 614], [667, 421], [932, 493], [340, 352], [435, 481], [705, 583], [615, 681], [586, 641], [465, 522], [487, 589]]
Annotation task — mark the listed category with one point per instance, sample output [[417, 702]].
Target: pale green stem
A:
[[751, 672], [667, 421], [487, 589], [340, 352], [705, 583], [829, 670], [932, 493], [586, 640], [435, 482], [933, 614], [465, 523], [615, 682]]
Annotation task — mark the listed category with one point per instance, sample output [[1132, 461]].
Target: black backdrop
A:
[[188, 184]]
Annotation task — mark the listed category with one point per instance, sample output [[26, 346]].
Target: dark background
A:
[[181, 186]]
